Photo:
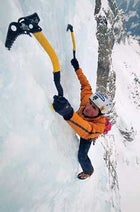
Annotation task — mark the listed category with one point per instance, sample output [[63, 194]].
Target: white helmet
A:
[[102, 101]]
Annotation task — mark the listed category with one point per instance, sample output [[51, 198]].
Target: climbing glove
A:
[[75, 64], [63, 107]]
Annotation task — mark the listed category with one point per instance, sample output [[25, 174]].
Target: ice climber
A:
[[89, 121]]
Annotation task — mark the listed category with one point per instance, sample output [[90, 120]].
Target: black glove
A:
[[75, 64], [63, 107]]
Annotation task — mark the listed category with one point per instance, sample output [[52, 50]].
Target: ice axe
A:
[[27, 25], [70, 27]]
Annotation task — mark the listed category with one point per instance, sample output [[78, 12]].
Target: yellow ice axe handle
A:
[[74, 44], [49, 49], [54, 59]]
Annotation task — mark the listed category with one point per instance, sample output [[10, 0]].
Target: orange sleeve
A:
[[86, 89], [85, 129]]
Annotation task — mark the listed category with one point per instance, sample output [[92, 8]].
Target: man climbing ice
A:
[[89, 121]]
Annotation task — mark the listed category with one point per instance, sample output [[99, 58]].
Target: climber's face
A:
[[91, 110]]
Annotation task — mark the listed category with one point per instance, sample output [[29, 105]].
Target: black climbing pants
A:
[[83, 158]]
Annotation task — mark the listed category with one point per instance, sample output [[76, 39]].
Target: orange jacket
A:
[[87, 128]]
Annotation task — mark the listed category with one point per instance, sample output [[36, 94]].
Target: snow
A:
[[126, 63], [38, 150], [105, 5]]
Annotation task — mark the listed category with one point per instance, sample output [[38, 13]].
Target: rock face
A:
[[110, 29], [131, 9]]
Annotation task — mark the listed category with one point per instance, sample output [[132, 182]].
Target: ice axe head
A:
[[24, 25], [70, 27]]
